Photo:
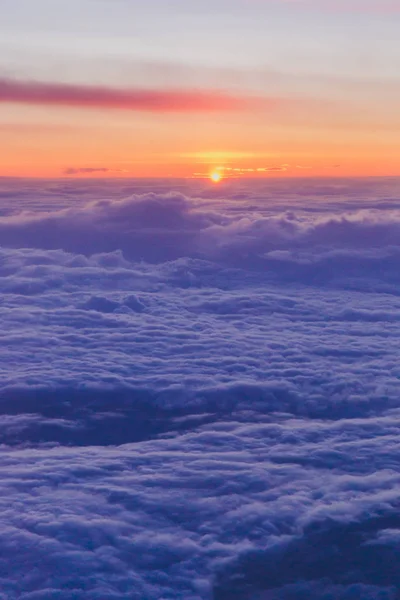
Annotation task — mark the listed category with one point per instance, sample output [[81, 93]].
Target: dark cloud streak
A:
[[151, 100], [86, 170]]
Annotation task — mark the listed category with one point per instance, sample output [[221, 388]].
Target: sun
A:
[[216, 177]]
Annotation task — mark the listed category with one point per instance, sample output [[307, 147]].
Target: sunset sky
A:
[[126, 88], [200, 299]]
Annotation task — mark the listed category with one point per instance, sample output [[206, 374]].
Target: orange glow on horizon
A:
[[54, 144], [306, 141]]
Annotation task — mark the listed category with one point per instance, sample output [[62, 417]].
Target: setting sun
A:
[[216, 177]]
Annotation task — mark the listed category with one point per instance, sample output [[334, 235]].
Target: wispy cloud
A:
[[236, 172], [248, 170], [90, 170], [150, 100]]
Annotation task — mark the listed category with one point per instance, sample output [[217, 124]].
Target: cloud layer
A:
[[199, 390]]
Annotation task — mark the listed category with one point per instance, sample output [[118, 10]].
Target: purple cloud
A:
[[219, 420], [59, 94], [86, 170]]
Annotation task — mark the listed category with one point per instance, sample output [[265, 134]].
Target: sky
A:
[[263, 88]]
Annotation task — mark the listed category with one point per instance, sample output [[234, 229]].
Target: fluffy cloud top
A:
[[199, 391]]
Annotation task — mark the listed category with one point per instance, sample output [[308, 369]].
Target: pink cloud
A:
[[153, 100]]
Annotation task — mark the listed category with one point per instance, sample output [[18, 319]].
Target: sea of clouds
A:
[[200, 390]]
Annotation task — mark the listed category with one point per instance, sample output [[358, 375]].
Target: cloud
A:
[[86, 170], [245, 171], [165, 226], [90, 170], [299, 559], [218, 421], [152, 100]]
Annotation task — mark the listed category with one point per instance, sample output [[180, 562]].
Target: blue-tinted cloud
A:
[[218, 420]]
